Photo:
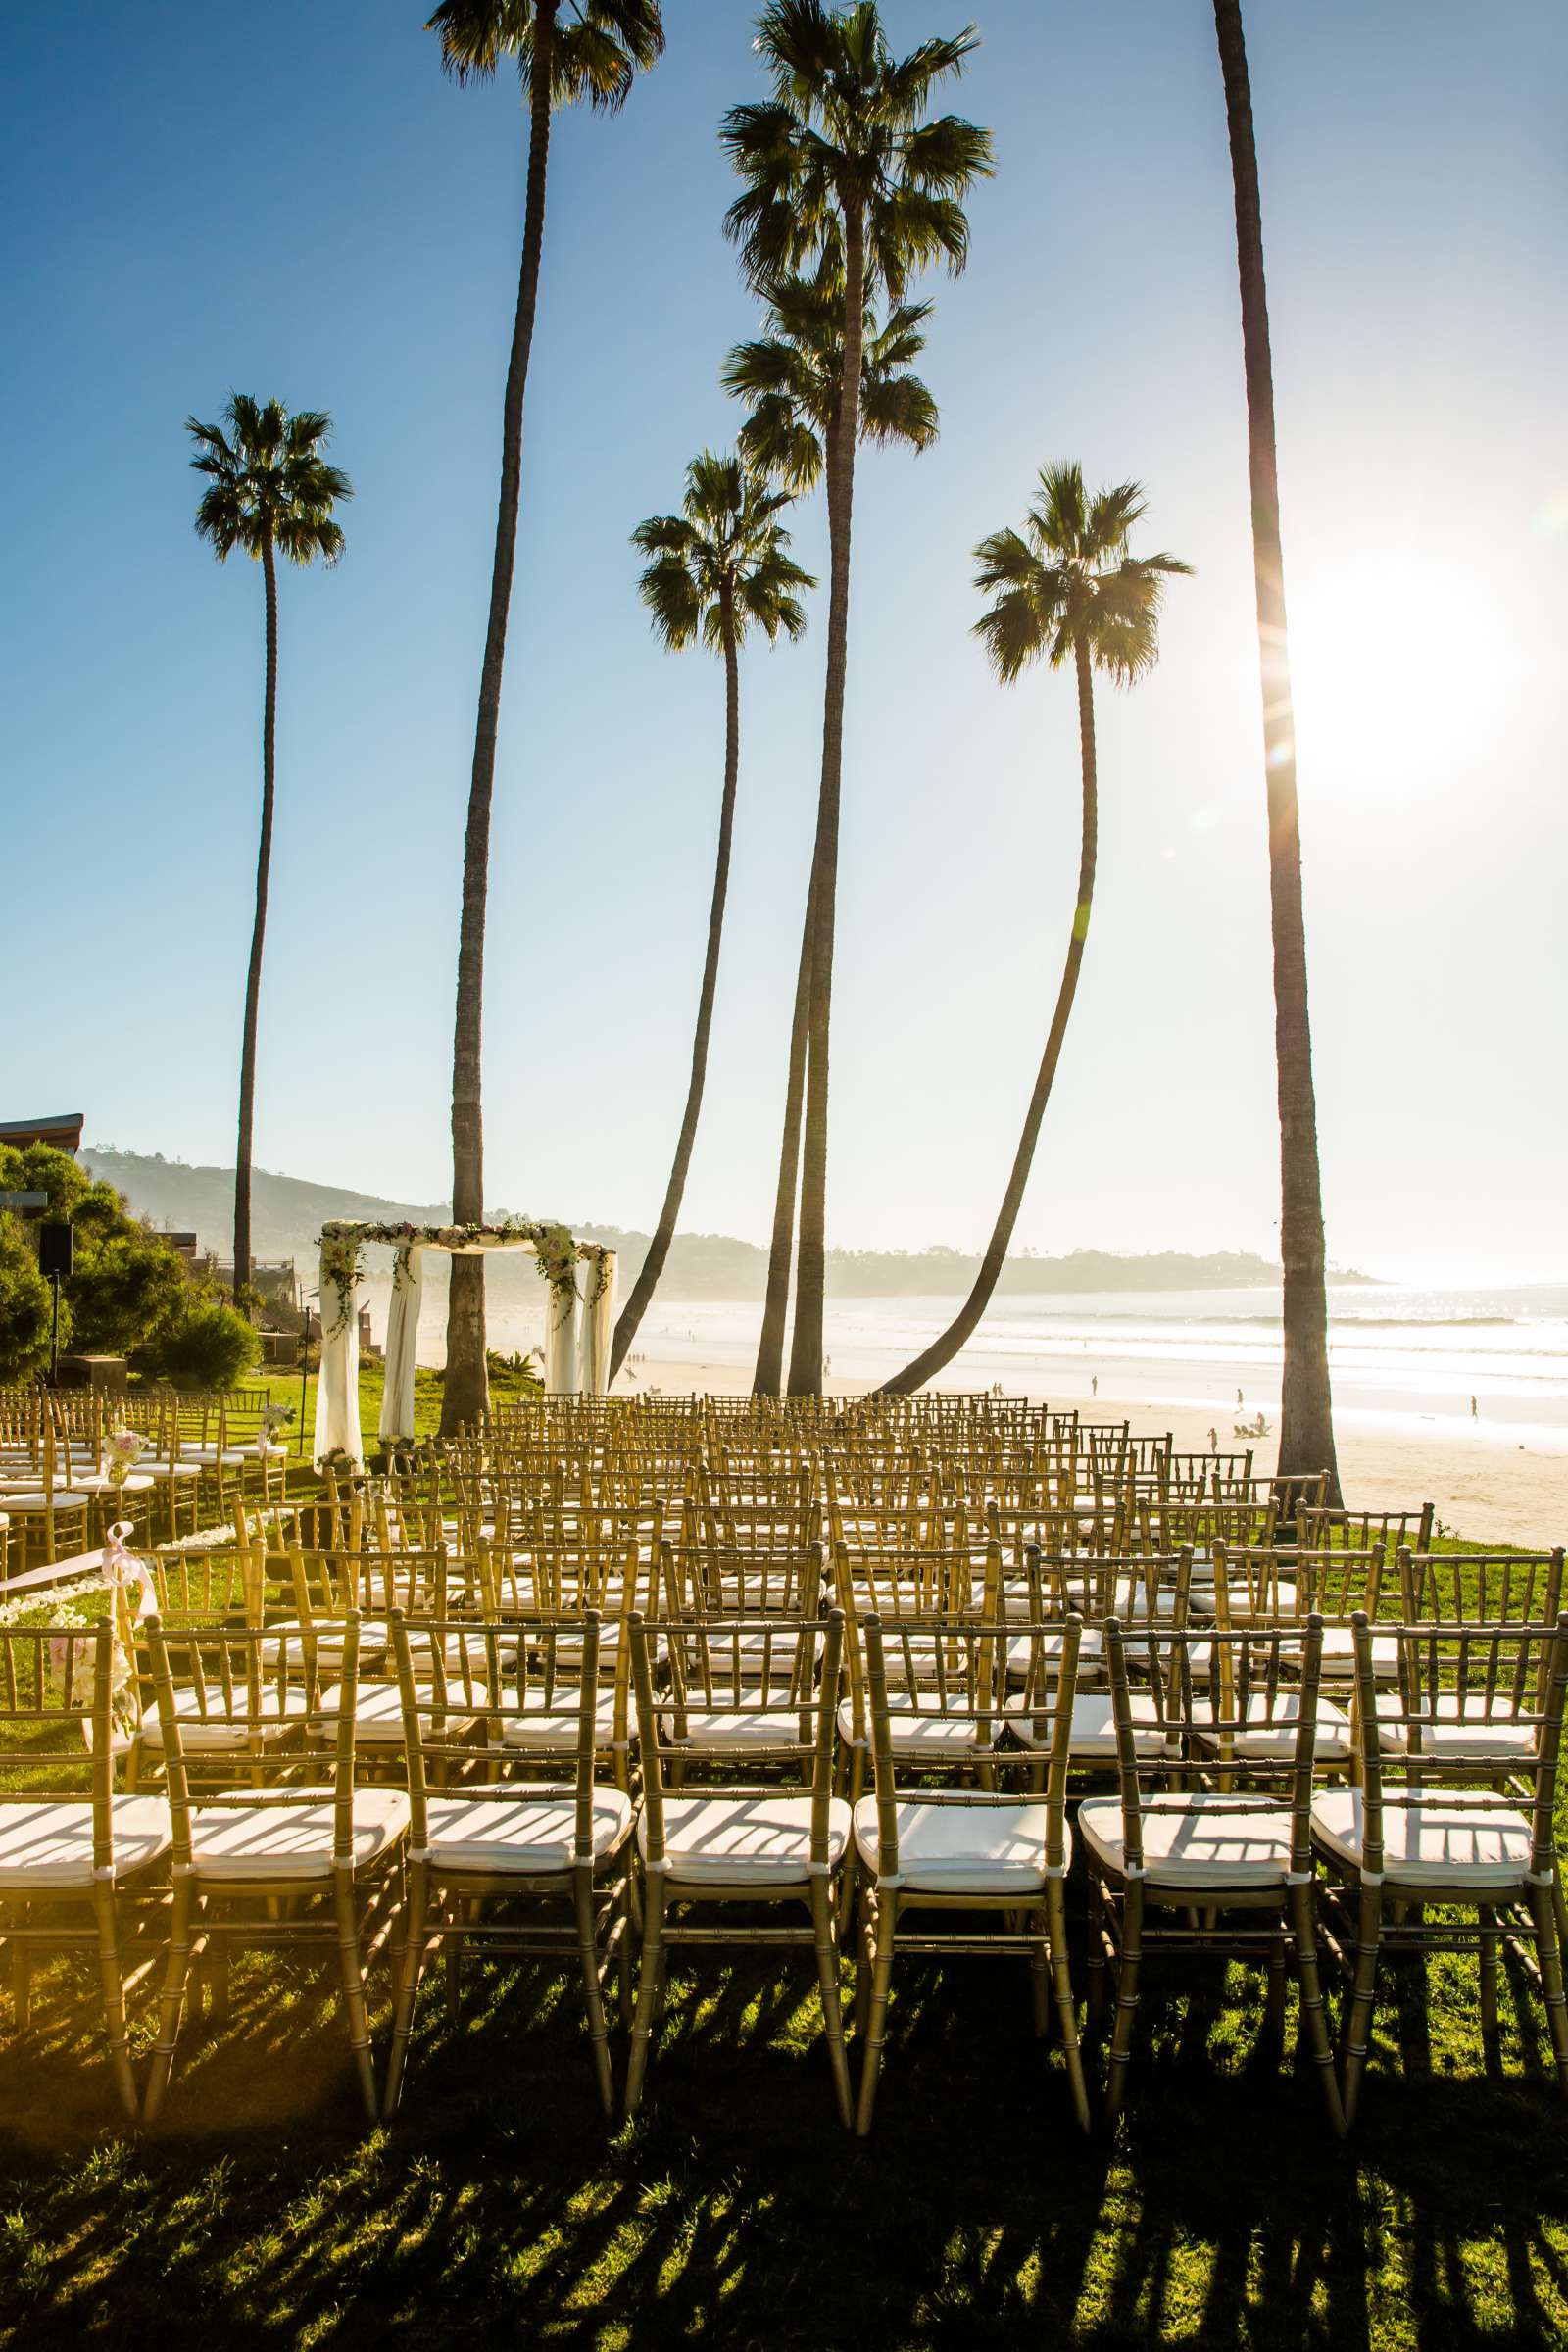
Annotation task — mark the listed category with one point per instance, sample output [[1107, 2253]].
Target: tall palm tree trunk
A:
[[768, 1378], [653, 1265], [466, 1392], [942, 1351], [806, 1349], [1306, 1415], [253, 978]]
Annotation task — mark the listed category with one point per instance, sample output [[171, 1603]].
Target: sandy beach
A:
[[1488, 1488]]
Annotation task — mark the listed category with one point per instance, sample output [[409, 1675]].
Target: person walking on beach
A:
[[1474, 1415], [1094, 1383], [1239, 1400]]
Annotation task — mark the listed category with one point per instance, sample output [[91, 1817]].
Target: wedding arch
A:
[[580, 1319]]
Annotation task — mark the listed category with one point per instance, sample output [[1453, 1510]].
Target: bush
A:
[[211, 1347], [25, 1306], [126, 1282]]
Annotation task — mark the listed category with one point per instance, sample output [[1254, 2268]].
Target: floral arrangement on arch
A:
[[557, 1253]]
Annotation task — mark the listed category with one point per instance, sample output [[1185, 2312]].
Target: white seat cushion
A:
[[1339, 1654], [1206, 1843], [926, 1731], [1094, 1727], [762, 1835], [962, 1849], [1455, 1735], [526, 1833], [293, 1842], [215, 1733], [1451, 1834], [1275, 1732], [1025, 1648], [379, 1710], [1203, 1595], [738, 1729], [290, 1643], [48, 1844], [66, 1499], [552, 1731]]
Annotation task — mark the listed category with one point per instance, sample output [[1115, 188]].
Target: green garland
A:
[[557, 1253]]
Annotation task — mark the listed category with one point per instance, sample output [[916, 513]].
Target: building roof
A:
[[64, 1131]]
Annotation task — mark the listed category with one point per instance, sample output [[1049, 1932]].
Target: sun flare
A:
[[1396, 665]]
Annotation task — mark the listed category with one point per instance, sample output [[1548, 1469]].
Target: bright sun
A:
[[1396, 667]]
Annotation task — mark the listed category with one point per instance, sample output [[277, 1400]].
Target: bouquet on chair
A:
[[274, 1418], [122, 1451]]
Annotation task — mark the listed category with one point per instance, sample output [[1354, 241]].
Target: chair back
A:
[[1234, 1715], [1467, 1682]]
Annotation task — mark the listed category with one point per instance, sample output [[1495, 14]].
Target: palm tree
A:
[[270, 493], [793, 377], [719, 567], [1065, 587], [595, 53], [840, 166], [1307, 1406]]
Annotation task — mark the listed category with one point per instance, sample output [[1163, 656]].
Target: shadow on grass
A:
[[736, 2212]]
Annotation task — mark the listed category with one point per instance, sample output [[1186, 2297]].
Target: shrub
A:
[[127, 1281], [25, 1306], [210, 1347]]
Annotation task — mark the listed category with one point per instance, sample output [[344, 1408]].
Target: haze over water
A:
[[1400, 1357]]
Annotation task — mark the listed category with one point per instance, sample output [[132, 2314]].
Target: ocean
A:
[[1409, 1357]]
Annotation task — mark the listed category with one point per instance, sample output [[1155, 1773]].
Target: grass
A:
[[500, 2209], [735, 2211]]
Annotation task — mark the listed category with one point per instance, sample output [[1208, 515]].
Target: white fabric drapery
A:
[[597, 1327], [578, 1342], [338, 1383], [402, 1342], [561, 1342]]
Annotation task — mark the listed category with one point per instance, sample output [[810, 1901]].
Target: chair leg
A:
[[1314, 2017], [175, 1974], [1548, 1951], [103, 1903], [827, 1969], [1274, 2007], [864, 1915], [647, 1989], [1095, 1961], [1067, 2007], [1034, 1926], [1121, 2040], [1487, 1970], [1363, 1996], [582, 1892], [21, 1976], [348, 1952], [887, 1922], [412, 1968]]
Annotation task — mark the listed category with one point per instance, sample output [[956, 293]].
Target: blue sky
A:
[[324, 218]]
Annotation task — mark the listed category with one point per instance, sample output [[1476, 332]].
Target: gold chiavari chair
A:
[[474, 1842], [780, 1843], [70, 1849], [1208, 1848], [922, 1849], [311, 1859], [1388, 1532], [1416, 1843]]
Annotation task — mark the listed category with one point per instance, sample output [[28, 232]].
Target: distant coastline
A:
[[289, 1211]]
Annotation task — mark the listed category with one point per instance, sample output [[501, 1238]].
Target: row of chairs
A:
[[269, 1825]]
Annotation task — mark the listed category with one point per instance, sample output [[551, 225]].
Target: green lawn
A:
[[498, 2208]]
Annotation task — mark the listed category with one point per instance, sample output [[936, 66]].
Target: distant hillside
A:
[[287, 1214]]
